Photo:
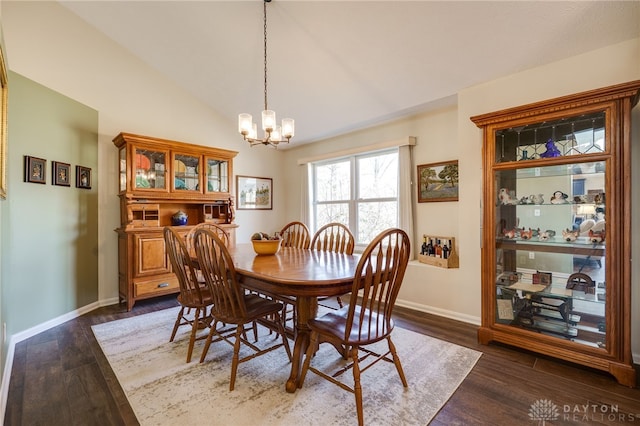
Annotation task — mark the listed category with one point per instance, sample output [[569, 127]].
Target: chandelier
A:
[[273, 134]]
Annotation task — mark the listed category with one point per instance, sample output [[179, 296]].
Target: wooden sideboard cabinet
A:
[[157, 179], [556, 252]]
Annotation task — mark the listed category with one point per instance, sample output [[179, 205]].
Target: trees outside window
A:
[[360, 191]]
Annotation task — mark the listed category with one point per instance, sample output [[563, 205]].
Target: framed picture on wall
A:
[[35, 169], [438, 182], [83, 177], [60, 173], [254, 193]]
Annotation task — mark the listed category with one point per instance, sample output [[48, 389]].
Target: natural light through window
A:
[[360, 191]]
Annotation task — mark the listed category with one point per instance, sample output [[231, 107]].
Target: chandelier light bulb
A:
[[244, 124], [288, 128], [275, 134], [268, 120]]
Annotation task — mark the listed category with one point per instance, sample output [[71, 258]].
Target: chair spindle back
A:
[[377, 281], [334, 237]]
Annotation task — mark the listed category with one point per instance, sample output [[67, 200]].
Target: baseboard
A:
[[23, 335], [439, 312]]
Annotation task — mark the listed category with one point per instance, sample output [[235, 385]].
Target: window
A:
[[360, 191]]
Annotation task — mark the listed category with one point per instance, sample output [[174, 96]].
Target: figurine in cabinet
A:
[[537, 199], [570, 235], [552, 150], [506, 198], [559, 197], [526, 235], [511, 233], [545, 235], [596, 236]]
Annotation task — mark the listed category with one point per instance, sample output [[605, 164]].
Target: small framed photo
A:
[[254, 193], [35, 169], [438, 182], [83, 177], [60, 173], [543, 278]]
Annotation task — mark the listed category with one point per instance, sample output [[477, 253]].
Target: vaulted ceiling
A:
[[337, 66]]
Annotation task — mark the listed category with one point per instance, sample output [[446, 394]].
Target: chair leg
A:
[[339, 299], [283, 335], [194, 329], [396, 361], [311, 350], [207, 343], [236, 352], [177, 324], [357, 388]]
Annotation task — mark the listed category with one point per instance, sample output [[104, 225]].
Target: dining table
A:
[[296, 274]]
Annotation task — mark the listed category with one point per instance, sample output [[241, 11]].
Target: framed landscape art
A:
[[254, 193], [438, 182]]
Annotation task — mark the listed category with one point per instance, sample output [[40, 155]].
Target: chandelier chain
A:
[[274, 134], [265, 55]]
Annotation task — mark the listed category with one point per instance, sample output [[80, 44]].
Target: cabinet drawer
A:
[[163, 285]]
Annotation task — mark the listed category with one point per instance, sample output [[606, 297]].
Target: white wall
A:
[[449, 134], [50, 45]]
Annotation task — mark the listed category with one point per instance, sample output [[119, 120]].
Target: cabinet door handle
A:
[[163, 285]]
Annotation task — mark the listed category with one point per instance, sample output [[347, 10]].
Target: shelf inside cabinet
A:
[[553, 245]]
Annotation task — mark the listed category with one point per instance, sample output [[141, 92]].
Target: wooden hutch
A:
[[157, 179]]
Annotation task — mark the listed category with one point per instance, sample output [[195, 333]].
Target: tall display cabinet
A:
[[556, 240], [165, 183]]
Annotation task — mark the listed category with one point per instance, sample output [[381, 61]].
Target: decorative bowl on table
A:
[[266, 247]]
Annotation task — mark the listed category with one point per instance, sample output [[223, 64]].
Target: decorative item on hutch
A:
[[560, 312], [163, 184]]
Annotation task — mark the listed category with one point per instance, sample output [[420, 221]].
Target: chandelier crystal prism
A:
[[273, 134]]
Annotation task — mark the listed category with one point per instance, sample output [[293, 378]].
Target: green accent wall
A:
[[49, 235]]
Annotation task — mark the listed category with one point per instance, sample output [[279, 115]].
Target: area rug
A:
[[164, 390]]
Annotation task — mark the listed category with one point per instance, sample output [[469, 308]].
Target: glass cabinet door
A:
[[150, 168], [122, 166], [217, 175], [572, 136], [186, 172], [550, 229]]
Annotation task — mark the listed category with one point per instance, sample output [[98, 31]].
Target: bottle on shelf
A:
[[430, 248], [438, 249], [445, 250], [424, 245]]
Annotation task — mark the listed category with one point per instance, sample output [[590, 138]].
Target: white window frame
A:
[[355, 198]]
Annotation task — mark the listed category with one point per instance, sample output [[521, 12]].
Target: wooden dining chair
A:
[[192, 295], [232, 304], [220, 232], [295, 234], [367, 318], [335, 237]]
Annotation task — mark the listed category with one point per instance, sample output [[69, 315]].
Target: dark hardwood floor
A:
[[61, 377]]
